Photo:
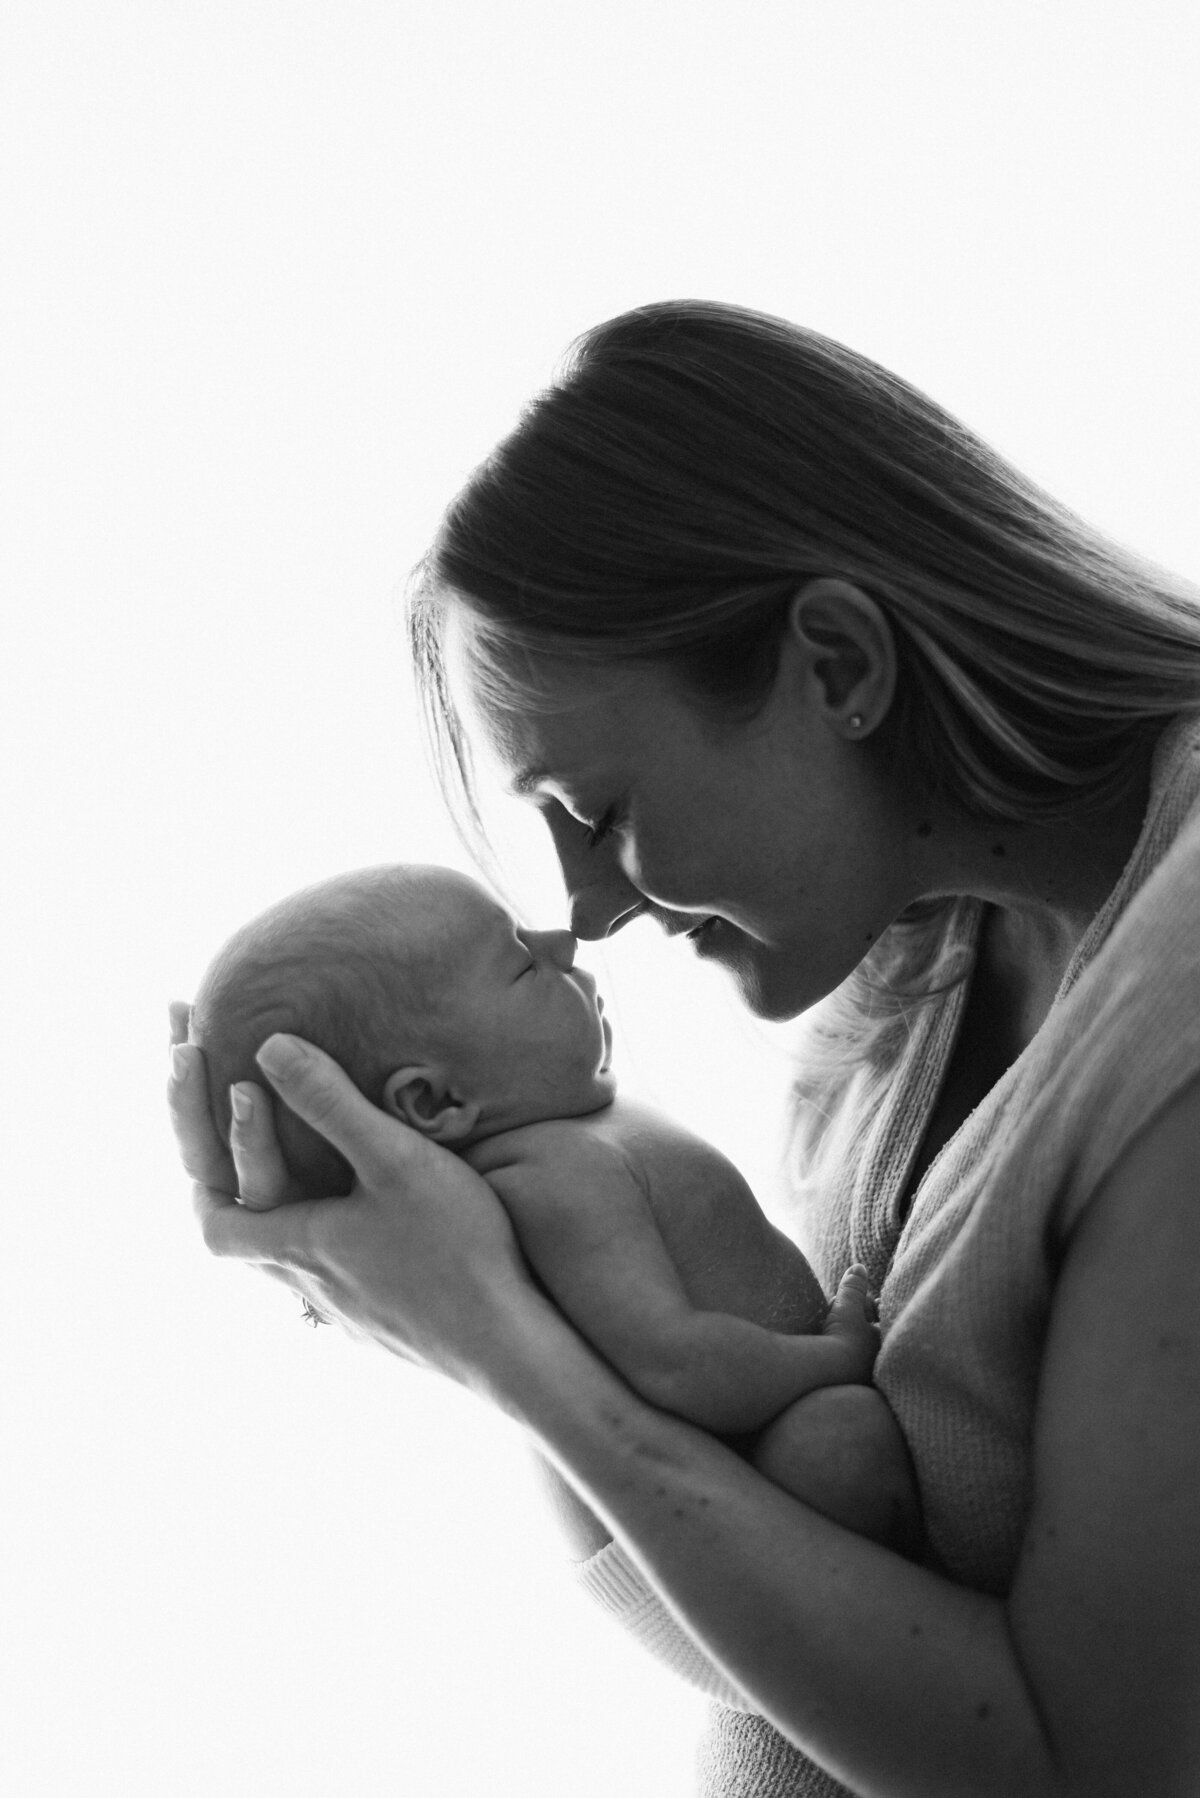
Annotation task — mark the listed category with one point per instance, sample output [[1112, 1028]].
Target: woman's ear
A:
[[421, 1098], [849, 649]]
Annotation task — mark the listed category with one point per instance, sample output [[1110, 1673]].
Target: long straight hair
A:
[[693, 463]]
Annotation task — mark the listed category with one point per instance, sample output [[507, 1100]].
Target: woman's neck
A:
[[1047, 882]]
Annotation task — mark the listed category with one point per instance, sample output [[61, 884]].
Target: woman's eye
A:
[[596, 833]]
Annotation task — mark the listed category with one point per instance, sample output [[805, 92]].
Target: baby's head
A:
[[439, 1006]]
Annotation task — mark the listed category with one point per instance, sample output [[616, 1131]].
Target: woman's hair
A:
[[693, 464]]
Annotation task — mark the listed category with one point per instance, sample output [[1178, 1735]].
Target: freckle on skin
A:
[[679, 1511], [924, 829], [983, 1711], [915, 1629], [999, 849]]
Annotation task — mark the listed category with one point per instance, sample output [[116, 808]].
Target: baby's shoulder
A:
[[546, 1143], [682, 1175], [640, 1136], [659, 1141], [646, 1138]]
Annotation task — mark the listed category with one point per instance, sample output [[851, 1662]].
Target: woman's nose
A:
[[600, 896], [596, 912]]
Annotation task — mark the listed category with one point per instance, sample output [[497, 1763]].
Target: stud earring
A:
[[856, 721]]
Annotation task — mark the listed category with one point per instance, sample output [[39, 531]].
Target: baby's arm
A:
[[695, 1212], [584, 1217]]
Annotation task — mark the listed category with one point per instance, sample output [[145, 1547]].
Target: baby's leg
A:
[[840, 1450]]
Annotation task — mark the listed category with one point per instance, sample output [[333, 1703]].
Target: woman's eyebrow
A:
[[527, 781]]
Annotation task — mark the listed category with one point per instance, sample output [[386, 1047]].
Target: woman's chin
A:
[[768, 981], [771, 1007]]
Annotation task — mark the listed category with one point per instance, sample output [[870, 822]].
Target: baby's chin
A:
[[600, 1091], [548, 1108], [580, 1102], [605, 1084]]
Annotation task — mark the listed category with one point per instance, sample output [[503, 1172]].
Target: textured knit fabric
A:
[[967, 1279], [612, 1580]]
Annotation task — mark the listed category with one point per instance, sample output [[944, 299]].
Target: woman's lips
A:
[[715, 938]]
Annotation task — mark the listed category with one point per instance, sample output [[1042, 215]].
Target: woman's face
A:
[[776, 844]]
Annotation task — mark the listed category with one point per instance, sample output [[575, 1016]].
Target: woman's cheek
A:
[[629, 860], [656, 870]]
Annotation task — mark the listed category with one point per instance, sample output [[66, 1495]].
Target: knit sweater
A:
[[966, 1280]]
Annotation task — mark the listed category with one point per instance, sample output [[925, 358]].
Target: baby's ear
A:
[[422, 1099]]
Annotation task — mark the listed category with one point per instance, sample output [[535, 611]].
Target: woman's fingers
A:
[[317, 1090], [180, 1014], [252, 1167], [263, 1180], [269, 1239], [205, 1157], [284, 1243]]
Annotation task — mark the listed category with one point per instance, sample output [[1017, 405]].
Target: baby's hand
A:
[[852, 1323]]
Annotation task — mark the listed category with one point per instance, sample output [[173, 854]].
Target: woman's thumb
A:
[[318, 1091]]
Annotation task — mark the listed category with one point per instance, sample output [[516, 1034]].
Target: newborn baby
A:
[[486, 1038]]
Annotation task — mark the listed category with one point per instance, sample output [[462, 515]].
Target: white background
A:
[[274, 277]]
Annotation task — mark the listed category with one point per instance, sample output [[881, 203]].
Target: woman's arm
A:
[[894, 1680], [1086, 1683], [897, 1681], [1105, 1609]]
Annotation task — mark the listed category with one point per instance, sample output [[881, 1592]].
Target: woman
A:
[[791, 662]]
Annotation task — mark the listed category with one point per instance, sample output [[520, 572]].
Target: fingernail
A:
[[180, 1063], [280, 1054], [241, 1104]]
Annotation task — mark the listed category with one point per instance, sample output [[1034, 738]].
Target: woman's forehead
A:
[[543, 716]]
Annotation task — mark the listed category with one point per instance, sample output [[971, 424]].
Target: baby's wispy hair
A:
[[330, 964]]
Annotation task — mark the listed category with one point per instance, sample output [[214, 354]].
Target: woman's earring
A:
[[856, 721]]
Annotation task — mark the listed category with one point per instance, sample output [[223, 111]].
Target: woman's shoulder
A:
[[1125, 1041], [1153, 930]]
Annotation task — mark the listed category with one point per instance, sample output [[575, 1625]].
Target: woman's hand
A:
[[419, 1256], [252, 1170]]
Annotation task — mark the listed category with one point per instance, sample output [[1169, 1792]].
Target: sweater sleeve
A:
[[615, 1583]]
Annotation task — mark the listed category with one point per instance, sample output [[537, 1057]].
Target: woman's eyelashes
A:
[[595, 834]]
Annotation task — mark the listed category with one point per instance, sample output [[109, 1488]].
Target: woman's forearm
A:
[[895, 1680], [583, 1531]]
